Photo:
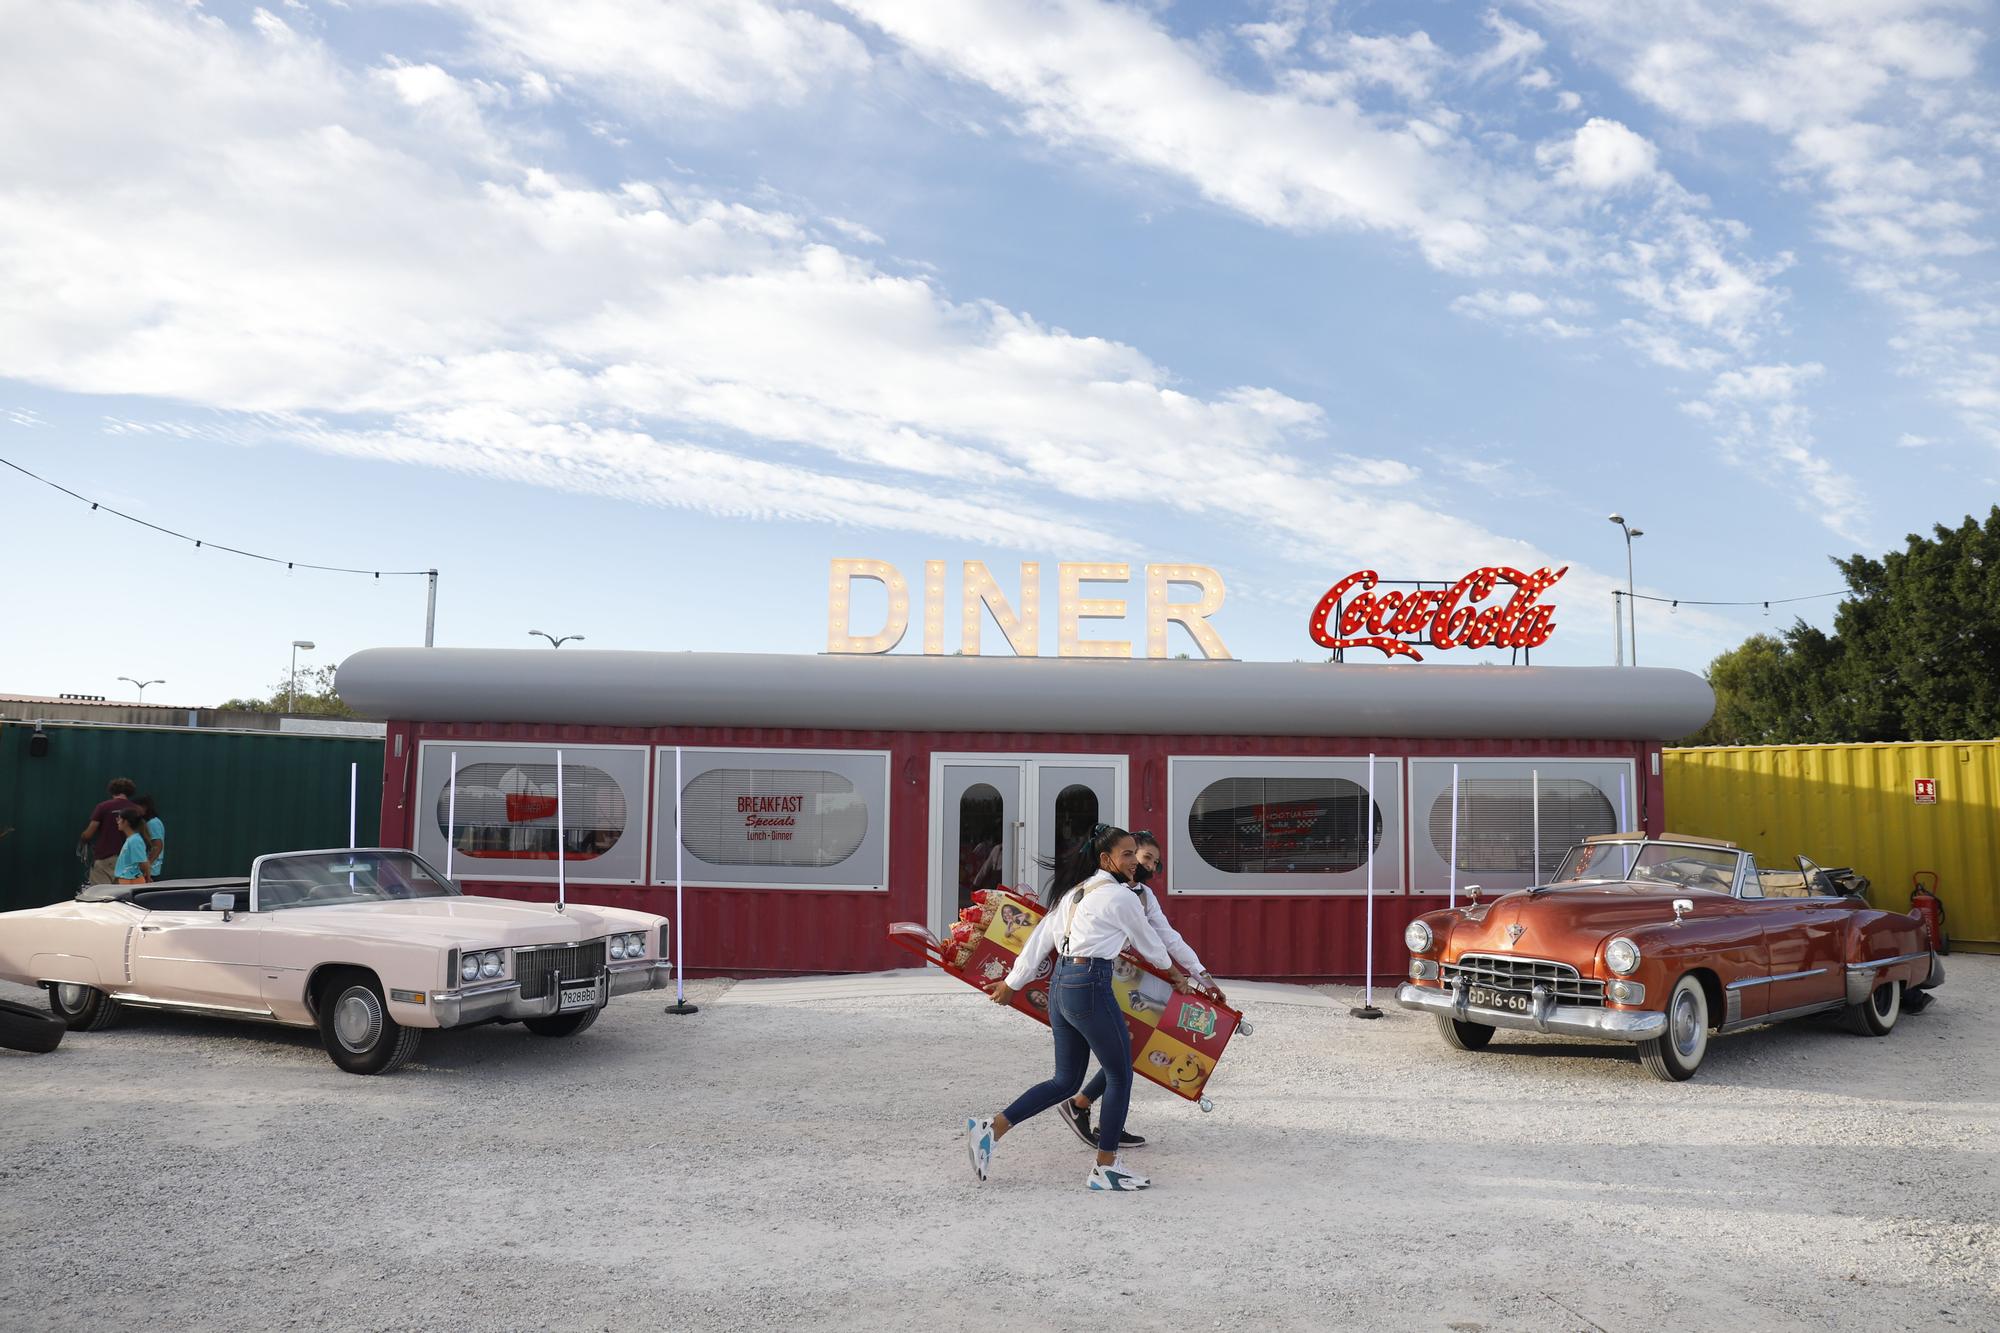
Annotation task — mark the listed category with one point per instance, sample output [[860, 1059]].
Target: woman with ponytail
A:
[[1093, 922]]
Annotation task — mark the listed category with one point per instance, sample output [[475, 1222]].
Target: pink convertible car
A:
[[370, 945]]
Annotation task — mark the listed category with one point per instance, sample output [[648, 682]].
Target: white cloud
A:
[[253, 227], [1754, 411], [1106, 78], [654, 59], [1602, 155], [1909, 441], [1878, 117]]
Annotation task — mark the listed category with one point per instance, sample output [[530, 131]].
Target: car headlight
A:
[[617, 946], [1417, 936], [1622, 956], [637, 948], [628, 946], [468, 969], [491, 965]]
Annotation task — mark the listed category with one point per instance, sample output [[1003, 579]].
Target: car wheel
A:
[[31, 1030], [355, 1027], [1874, 1016], [82, 1008], [561, 1025], [1676, 1054], [1464, 1036]]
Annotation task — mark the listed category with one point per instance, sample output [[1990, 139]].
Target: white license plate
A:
[[1485, 997], [578, 997]]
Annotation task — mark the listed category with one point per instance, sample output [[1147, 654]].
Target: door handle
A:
[[149, 927]]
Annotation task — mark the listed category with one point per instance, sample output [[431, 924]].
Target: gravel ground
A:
[[789, 1166]]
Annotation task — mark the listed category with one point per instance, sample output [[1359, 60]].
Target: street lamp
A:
[[1631, 597], [292, 693], [142, 684], [554, 642]]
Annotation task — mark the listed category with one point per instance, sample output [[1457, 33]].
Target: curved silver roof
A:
[[899, 692]]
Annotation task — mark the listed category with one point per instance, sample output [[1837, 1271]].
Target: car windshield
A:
[[1679, 864], [319, 879]]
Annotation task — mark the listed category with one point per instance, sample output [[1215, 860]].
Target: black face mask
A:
[[1141, 872]]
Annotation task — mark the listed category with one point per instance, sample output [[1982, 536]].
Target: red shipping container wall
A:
[[752, 931]]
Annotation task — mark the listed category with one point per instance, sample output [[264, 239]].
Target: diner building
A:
[[803, 803]]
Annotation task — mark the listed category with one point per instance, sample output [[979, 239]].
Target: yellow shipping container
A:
[[1858, 805]]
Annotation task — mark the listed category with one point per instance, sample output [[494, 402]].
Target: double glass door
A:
[[1002, 819]]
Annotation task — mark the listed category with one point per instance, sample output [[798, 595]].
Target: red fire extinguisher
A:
[[1928, 908]]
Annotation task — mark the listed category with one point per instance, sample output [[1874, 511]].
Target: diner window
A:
[[776, 818], [1250, 825], [486, 810], [1516, 817], [507, 812], [772, 817], [982, 848], [1498, 819], [1076, 816], [1283, 826]]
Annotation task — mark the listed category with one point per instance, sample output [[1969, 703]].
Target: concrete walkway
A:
[[908, 981]]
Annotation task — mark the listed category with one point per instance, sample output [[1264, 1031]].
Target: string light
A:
[[1766, 602], [200, 543]]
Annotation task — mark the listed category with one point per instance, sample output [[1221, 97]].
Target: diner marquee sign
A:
[[980, 595]]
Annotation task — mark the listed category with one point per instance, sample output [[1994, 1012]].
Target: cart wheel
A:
[[1246, 1027], [1206, 1105]]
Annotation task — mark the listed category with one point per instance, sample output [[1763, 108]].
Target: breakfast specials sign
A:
[[770, 818]]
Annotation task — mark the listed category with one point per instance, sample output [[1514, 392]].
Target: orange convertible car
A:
[[1658, 941]]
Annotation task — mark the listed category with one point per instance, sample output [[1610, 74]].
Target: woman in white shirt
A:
[[1076, 1111], [1086, 930]]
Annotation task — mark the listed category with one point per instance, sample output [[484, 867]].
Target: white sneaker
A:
[[979, 1145], [1116, 1177]]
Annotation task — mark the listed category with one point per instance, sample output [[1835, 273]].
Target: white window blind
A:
[[772, 817], [507, 811]]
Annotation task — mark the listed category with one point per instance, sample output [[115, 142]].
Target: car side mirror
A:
[[1682, 906], [224, 903]]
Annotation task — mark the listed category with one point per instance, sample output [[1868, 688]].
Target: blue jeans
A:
[[1085, 1019]]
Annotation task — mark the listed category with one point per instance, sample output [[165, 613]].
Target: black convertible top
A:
[[126, 893]]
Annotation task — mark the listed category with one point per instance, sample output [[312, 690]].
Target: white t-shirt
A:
[[1108, 917]]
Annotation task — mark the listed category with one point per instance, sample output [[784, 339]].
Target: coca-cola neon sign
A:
[[1442, 617]]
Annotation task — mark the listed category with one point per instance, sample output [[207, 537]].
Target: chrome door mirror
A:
[[224, 903]]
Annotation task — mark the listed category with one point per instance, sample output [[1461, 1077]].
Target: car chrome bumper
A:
[[1566, 1020], [501, 1000]]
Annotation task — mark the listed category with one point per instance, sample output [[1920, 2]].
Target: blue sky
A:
[[630, 316]]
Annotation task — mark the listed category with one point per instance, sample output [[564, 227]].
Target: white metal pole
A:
[[680, 944], [1617, 627], [1368, 832], [431, 611], [1535, 778], [353, 803], [562, 855], [1453, 901], [451, 817], [1624, 815]]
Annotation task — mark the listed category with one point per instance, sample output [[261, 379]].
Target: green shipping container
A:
[[225, 797]]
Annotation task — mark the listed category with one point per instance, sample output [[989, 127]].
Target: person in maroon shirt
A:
[[102, 832]]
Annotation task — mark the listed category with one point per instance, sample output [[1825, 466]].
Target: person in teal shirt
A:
[[156, 836], [131, 866]]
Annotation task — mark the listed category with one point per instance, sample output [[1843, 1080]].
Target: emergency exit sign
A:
[[1926, 791]]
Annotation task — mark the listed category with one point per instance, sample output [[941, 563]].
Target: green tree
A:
[[316, 696], [1911, 656]]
